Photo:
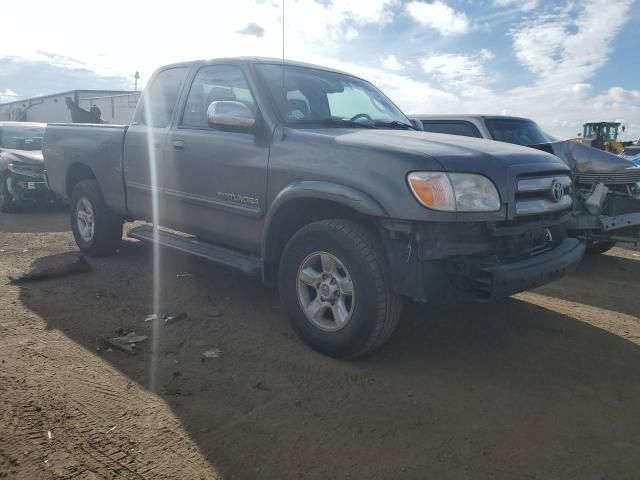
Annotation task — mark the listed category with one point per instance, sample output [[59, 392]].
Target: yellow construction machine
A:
[[604, 136]]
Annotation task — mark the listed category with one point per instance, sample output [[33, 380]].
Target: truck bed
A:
[[70, 148]]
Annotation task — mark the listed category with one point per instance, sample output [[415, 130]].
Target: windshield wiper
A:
[[395, 124], [330, 123]]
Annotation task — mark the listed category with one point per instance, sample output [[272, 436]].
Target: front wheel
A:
[[335, 285], [96, 229]]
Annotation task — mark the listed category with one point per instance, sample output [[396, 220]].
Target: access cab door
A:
[[215, 179], [144, 144]]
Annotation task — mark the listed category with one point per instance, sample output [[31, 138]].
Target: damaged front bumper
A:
[[617, 221], [478, 261], [28, 188]]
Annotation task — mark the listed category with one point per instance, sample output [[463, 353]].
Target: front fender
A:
[[350, 197], [358, 200]]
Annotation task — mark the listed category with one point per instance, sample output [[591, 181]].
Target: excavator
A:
[[603, 136]]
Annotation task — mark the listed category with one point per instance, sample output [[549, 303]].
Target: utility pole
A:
[[136, 76]]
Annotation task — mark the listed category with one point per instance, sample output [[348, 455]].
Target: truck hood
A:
[[452, 152], [30, 157], [583, 158]]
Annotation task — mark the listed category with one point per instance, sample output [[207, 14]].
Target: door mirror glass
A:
[[229, 113]]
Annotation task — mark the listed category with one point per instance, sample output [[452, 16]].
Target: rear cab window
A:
[[159, 102]]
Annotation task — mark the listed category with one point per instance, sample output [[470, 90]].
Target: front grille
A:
[[543, 195], [622, 177]]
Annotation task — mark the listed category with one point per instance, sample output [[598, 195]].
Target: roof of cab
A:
[[255, 60]]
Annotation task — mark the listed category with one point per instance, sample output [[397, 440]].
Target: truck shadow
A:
[[607, 282], [36, 219], [510, 390]]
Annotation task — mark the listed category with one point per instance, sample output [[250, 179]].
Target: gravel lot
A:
[[545, 385]]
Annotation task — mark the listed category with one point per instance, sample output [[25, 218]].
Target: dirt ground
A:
[[545, 385]]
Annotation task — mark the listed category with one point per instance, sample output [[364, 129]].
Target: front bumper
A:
[[30, 188], [509, 278], [488, 264]]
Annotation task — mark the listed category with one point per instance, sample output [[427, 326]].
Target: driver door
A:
[[215, 181]]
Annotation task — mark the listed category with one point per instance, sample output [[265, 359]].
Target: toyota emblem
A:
[[557, 191]]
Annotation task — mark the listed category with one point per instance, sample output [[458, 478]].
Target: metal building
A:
[[117, 106]]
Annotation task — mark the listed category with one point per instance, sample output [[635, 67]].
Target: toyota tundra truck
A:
[[315, 181]]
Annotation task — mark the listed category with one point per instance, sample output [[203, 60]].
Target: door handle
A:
[[178, 145]]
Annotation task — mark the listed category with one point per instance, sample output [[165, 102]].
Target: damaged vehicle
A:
[[606, 186], [22, 166], [315, 181]]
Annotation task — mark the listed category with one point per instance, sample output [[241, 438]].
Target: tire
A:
[[596, 248], [7, 203], [106, 235], [342, 249]]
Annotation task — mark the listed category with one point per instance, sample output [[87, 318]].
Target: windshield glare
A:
[[520, 132], [21, 138], [316, 96]]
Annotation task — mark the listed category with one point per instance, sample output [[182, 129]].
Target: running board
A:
[[249, 264]]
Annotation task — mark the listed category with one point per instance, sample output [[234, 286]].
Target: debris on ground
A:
[[183, 275], [42, 273], [131, 337], [215, 313], [167, 318], [213, 353], [126, 343], [260, 385]]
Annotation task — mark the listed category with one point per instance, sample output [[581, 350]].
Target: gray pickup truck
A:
[[606, 207], [314, 180]]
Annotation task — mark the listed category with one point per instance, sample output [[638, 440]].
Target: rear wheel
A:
[[595, 248], [335, 285], [7, 202], [96, 229]]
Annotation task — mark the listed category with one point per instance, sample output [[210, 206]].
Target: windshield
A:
[[318, 97], [520, 132], [21, 138]]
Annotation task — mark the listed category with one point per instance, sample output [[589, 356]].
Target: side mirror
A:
[[229, 113], [417, 124]]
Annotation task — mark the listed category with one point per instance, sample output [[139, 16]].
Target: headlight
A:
[[454, 192]]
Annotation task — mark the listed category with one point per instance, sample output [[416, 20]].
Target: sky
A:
[[559, 62]]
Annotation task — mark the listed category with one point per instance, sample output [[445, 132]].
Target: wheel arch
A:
[[308, 201], [75, 174]]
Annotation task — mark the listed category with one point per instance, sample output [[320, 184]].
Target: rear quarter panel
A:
[[98, 147]]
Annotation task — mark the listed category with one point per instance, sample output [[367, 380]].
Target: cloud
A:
[[569, 45], [7, 95], [391, 63], [464, 74], [525, 5], [439, 16], [581, 88], [252, 29], [620, 95], [351, 33]]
